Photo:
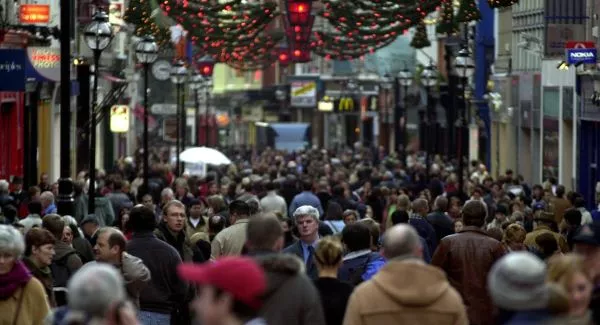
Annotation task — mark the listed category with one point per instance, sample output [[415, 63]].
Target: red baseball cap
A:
[[241, 277]]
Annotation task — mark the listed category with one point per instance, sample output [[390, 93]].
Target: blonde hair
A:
[[562, 269], [514, 233], [329, 252]]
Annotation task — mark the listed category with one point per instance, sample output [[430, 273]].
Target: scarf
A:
[[13, 280]]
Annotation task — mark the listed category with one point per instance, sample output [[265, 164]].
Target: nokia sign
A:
[[581, 56]]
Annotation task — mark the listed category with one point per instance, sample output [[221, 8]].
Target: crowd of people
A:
[[311, 238]]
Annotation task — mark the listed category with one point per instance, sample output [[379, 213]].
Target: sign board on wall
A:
[[116, 11], [34, 14], [119, 118], [45, 63], [303, 94], [12, 70], [580, 52]]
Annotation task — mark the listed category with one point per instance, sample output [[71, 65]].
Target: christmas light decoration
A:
[[467, 11], [420, 39], [501, 3], [447, 24], [139, 13]]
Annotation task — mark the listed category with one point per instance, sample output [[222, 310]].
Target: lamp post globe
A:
[[429, 76], [98, 33], [464, 64], [405, 77], [146, 50], [178, 73]]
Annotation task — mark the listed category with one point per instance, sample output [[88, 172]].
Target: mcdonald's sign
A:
[[346, 104]]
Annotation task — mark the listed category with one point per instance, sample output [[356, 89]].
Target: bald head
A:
[[402, 240]]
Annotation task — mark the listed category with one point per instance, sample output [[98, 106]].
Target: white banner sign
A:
[[303, 94]]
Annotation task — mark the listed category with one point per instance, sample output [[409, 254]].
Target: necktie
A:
[[309, 259]]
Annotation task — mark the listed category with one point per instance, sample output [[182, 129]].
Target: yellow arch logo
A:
[[346, 104]]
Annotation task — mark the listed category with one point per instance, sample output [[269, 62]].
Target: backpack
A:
[[60, 276], [358, 267]]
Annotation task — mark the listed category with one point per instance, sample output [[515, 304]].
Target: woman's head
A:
[[569, 272], [40, 246], [329, 253], [350, 216], [12, 247], [514, 234], [458, 225]]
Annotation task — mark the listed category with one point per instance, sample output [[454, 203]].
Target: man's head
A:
[[110, 245], [420, 207], [402, 240], [440, 203], [54, 224], [148, 201], [4, 186], [89, 225], [197, 208], [587, 243], [141, 219], [34, 207], [17, 183], [46, 198], [174, 215], [230, 290], [166, 195], [264, 233], [473, 213], [95, 289], [238, 210], [307, 221], [356, 237], [572, 217]]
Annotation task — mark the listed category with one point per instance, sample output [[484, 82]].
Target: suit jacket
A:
[[311, 267]]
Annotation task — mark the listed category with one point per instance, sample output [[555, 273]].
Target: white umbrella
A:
[[198, 155]]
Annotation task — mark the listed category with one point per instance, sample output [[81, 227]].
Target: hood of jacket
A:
[[279, 268], [420, 284], [62, 249]]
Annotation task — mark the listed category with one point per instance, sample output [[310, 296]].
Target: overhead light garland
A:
[[501, 3], [420, 39]]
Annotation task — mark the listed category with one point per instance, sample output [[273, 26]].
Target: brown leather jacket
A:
[[467, 257]]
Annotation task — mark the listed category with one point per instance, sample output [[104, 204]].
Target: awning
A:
[[290, 136]]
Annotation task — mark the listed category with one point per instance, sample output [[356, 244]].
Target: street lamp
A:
[[195, 85], [178, 76], [97, 36], [146, 51], [405, 79], [206, 66], [428, 80], [464, 68]]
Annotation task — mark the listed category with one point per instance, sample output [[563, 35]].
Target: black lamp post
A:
[[65, 184], [464, 68], [146, 51], [178, 77], [428, 80], [206, 66], [405, 79], [195, 85], [98, 35]]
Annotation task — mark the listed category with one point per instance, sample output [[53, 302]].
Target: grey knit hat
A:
[[517, 282]]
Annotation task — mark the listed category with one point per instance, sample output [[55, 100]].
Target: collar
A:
[[245, 220], [305, 245], [356, 254], [473, 229], [144, 234]]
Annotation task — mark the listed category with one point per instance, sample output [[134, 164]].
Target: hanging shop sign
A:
[[34, 14], [581, 56], [12, 70], [303, 94], [119, 119], [43, 63]]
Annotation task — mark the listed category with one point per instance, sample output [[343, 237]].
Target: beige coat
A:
[[230, 241], [406, 292]]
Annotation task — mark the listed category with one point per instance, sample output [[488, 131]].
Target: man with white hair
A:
[[306, 218], [405, 290], [47, 200], [5, 198], [96, 296]]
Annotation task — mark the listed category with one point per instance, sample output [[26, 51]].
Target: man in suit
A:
[[306, 218]]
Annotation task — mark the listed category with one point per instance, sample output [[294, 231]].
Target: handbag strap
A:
[[19, 304]]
